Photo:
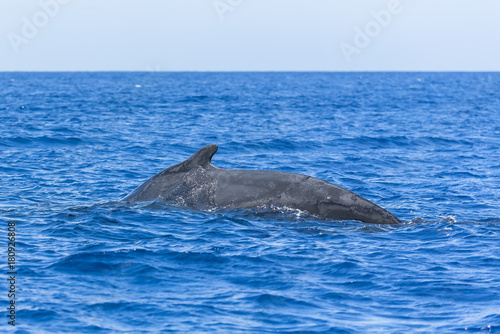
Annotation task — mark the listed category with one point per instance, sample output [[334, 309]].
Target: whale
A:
[[197, 183]]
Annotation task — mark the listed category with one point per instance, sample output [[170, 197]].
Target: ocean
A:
[[425, 146]]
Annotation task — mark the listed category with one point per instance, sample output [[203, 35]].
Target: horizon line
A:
[[250, 71]]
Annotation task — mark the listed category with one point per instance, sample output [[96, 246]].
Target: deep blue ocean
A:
[[425, 146]]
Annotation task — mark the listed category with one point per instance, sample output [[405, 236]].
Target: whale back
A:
[[195, 182]]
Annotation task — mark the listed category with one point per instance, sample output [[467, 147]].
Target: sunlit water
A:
[[424, 146]]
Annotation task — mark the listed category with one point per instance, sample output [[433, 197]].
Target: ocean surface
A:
[[425, 146]]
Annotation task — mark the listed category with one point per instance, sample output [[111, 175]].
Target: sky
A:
[[249, 35]]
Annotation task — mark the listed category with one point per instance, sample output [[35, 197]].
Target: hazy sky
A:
[[250, 35]]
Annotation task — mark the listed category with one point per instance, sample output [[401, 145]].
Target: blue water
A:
[[423, 145]]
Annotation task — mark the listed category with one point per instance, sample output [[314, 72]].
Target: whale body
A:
[[196, 182]]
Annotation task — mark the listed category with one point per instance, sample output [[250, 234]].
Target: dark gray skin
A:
[[196, 182]]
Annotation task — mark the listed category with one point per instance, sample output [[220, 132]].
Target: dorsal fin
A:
[[201, 158]]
